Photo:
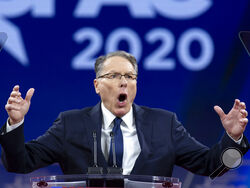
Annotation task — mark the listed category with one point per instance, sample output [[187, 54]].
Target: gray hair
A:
[[101, 59]]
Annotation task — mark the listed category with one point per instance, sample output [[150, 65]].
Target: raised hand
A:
[[235, 121], [16, 106]]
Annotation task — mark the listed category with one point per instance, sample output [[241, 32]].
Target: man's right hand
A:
[[16, 106]]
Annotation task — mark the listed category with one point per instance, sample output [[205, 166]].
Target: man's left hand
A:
[[235, 121]]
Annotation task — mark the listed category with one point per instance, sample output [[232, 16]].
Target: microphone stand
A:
[[114, 169], [95, 169]]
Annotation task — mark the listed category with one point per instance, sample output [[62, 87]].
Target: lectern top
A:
[[105, 180]]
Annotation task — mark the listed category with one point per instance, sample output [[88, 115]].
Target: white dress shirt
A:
[[131, 146]]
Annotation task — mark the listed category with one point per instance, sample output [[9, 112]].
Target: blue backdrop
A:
[[190, 59]]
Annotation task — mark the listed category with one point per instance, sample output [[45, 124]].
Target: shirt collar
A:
[[108, 117]]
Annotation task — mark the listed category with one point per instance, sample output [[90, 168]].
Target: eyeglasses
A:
[[118, 76]]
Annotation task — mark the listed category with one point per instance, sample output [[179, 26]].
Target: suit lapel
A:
[[144, 127], [95, 125]]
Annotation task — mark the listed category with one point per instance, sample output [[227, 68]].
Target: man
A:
[[149, 141]]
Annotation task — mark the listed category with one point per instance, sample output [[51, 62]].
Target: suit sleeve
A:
[[21, 157], [199, 159]]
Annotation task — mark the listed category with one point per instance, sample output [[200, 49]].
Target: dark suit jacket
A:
[[163, 140]]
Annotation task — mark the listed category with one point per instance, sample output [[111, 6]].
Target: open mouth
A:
[[122, 97]]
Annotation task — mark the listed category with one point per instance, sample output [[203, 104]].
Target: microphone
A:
[[114, 169], [3, 38], [95, 169]]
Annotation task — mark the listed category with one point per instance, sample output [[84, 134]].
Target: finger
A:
[[16, 88], [244, 113], [14, 100], [29, 94], [244, 121], [236, 104], [9, 107], [243, 105], [219, 111], [15, 94]]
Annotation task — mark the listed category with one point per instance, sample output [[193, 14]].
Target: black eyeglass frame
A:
[[115, 75]]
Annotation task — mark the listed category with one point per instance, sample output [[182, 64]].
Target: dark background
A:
[[51, 48]]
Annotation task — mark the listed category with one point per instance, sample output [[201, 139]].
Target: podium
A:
[[108, 180]]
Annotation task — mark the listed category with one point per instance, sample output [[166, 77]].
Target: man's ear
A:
[[96, 86]]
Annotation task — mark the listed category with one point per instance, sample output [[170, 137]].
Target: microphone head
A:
[[111, 134], [3, 38]]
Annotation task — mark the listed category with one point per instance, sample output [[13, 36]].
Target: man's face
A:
[[117, 95]]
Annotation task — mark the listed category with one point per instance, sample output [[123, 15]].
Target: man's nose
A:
[[123, 82]]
